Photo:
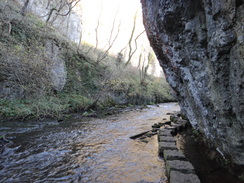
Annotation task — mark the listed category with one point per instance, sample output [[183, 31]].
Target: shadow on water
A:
[[84, 150]]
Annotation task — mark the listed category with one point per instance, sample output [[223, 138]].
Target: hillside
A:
[[43, 74]]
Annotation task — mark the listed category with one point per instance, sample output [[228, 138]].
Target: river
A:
[[85, 150]]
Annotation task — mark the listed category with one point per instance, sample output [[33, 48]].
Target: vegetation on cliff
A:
[[42, 74]]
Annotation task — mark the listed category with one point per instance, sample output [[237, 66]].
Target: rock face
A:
[[32, 63], [21, 76], [57, 68], [69, 26], [200, 45]]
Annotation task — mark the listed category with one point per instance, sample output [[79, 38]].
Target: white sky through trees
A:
[[105, 11]]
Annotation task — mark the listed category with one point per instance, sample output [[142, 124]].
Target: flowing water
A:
[[84, 150]]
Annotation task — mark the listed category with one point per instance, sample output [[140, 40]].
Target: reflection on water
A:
[[91, 150]]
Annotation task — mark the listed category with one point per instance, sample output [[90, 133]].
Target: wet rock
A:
[[201, 52], [139, 135], [177, 128], [149, 134], [156, 125], [166, 139], [167, 123], [166, 146], [164, 132], [178, 177], [3, 142], [173, 118], [143, 137], [173, 155], [1, 149], [178, 165]]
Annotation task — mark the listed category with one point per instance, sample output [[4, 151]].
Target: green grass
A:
[[49, 106]]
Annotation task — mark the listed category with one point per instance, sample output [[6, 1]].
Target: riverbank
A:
[[62, 117]]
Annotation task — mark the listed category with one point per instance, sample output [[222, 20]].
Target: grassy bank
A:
[[26, 63]]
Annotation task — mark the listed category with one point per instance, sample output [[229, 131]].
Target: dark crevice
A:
[[207, 161], [239, 3]]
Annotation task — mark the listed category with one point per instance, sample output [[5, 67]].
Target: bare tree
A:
[[111, 42], [97, 27], [112, 38], [24, 8], [143, 67], [132, 50], [61, 8], [130, 40]]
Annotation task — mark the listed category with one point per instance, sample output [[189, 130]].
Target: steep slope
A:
[[44, 74], [200, 45]]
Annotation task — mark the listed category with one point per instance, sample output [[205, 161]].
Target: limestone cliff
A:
[[69, 26], [200, 45], [32, 59]]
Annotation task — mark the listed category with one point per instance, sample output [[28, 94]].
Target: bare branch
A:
[[130, 40], [24, 8], [111, 40], [59, 8], [70, 7], [96, 29], [131, 50], [143, 68], [112, 30], [131, 53], [105, 54]]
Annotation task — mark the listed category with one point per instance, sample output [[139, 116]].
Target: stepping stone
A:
[[178, 165], [166, 146], [166, 139], [173, 155], [164, 132], [178, 177]]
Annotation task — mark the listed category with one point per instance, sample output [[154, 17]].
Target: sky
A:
[[122, 12]]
